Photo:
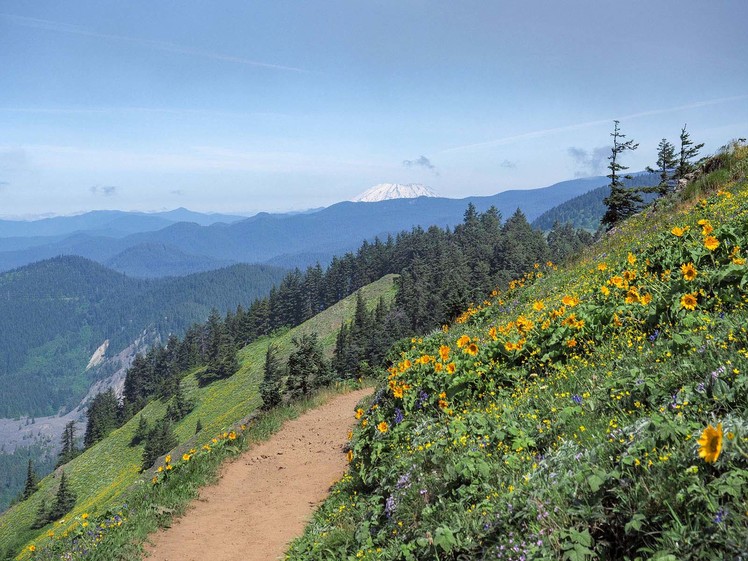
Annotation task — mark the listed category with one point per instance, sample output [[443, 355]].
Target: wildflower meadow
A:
[[594, 411]]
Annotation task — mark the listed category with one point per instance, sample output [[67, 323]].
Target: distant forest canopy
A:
[[585, 211], [57, 312]]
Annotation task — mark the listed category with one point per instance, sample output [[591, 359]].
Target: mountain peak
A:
[[386, 191]]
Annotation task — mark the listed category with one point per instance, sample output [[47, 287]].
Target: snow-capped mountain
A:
[[386, 191]]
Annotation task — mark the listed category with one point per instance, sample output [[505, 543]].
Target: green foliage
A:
[[141, 432], [592, 412], [688, 151], [103, 417], [160, 440], [107, 475], [270, 388], [307, 367], [622, 202], [69, 448], [585, 211], [57, 312], [32, 482], [666, 162], [64, 500]]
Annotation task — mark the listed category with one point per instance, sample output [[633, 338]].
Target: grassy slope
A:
[[569, 427], [103, 473]]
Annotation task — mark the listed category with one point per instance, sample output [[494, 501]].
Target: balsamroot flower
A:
[[710, 443], [688, 301], [711, 243], [689, 271]]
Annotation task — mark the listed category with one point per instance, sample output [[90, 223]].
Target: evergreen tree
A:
[[179, 406], [688, 151], [69, 449], [41, 518], [198, 426], [141, 431], [270, 388], [666, 164], [160, 440], [31, 482], [307, 367], [64, 500], [103, 417], [220, 352], [621, 202]]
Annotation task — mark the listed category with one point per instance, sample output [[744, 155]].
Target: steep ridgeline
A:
[[595, 411], [56, 313]]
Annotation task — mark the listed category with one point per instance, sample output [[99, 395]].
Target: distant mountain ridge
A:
[[296, 240]]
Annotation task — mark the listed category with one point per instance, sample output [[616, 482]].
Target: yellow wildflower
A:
[[711, 243], [678, 231], [689, 271], [710, 443], [689, 301], [383, 427]]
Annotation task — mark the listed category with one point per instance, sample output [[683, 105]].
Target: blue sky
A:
[[244, 106]]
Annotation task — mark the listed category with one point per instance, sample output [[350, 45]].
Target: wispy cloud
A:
[[589, 163], [3, 184], [105, 190], [555, 130], [423, 162], [61, 27], [509, 164], [13, 159], [177, 192]]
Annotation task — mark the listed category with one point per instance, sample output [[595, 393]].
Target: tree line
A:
[[672, 165]]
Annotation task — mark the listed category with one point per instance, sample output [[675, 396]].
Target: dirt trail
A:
[[266, 496]]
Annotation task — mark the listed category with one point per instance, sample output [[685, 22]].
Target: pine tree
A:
[[621, 202], [69, 450], [307, 367], [31, 482], [666, 164], [688, 151], [160, 440], [198, 426], [270, 388], [103, 417], [41, 518], [64, 500], [141, 432]]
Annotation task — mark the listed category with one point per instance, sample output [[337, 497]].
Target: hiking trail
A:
[[264, 498]]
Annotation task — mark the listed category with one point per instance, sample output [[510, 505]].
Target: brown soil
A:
[[265, 498]]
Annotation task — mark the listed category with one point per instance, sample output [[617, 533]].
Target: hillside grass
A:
[[596, 411], [104, 476]]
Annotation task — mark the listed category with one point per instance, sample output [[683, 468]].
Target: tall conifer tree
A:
[[666, 164], [270, 388], [688, 151], [621, 202]]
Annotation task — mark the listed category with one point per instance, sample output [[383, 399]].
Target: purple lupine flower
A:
[[398, 416]]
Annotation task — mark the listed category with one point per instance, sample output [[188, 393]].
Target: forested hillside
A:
[[56, 313], [585, 211], [596, 411]]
